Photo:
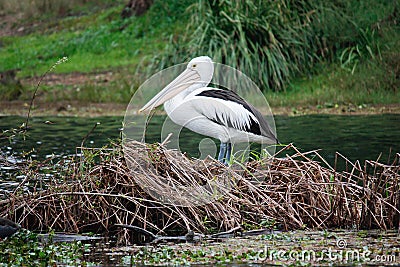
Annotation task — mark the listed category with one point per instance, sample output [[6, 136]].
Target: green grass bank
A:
[[300, 53]]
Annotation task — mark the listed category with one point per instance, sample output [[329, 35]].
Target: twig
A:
[[62, 60]]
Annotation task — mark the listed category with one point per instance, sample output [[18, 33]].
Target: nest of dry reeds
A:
[[291, 191]]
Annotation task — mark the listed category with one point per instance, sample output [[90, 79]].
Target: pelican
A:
[[218, 113]]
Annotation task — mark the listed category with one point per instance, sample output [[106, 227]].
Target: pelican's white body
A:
[[194, 112]]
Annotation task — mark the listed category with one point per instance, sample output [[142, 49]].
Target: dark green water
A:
[[356, 137]]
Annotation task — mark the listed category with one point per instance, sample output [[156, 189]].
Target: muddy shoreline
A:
[[82, 109]]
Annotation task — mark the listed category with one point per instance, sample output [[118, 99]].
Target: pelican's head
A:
[[199, 73], [204, 67]]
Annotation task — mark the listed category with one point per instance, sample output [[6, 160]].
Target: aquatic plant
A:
[[25, 248]]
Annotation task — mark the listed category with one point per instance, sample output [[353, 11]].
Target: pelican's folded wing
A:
[[224, 107]]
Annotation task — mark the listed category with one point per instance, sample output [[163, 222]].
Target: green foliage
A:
[[275, 41], [25, 248], [285, 45], [100, 41], [267, 39], [186, 256], [370, 82]]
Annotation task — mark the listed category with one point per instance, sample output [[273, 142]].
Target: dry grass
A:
[[292, 191]]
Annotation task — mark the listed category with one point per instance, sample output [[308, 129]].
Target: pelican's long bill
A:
[[182, 82]]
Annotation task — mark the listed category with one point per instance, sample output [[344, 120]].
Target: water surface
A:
[[357, 137]]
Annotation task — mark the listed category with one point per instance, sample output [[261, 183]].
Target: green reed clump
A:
[[273, 41], [267, 39]]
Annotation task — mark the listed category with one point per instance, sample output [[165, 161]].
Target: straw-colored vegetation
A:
[[287, 192]]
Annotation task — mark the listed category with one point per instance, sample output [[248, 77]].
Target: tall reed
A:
[[273, 41]]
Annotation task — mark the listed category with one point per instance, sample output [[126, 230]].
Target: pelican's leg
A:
[[222, 152], [228, 153]]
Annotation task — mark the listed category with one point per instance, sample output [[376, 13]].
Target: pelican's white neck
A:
[[177, 100]]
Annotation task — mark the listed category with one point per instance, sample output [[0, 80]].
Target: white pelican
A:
[[221, 114]]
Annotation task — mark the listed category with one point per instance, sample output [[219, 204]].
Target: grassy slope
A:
[[100, 41], [357, 75], [92, 42]]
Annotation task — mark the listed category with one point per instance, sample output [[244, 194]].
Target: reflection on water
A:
[[356, 137], [58, 136]]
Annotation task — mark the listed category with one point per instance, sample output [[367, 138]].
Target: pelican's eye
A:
[[194, 65]]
